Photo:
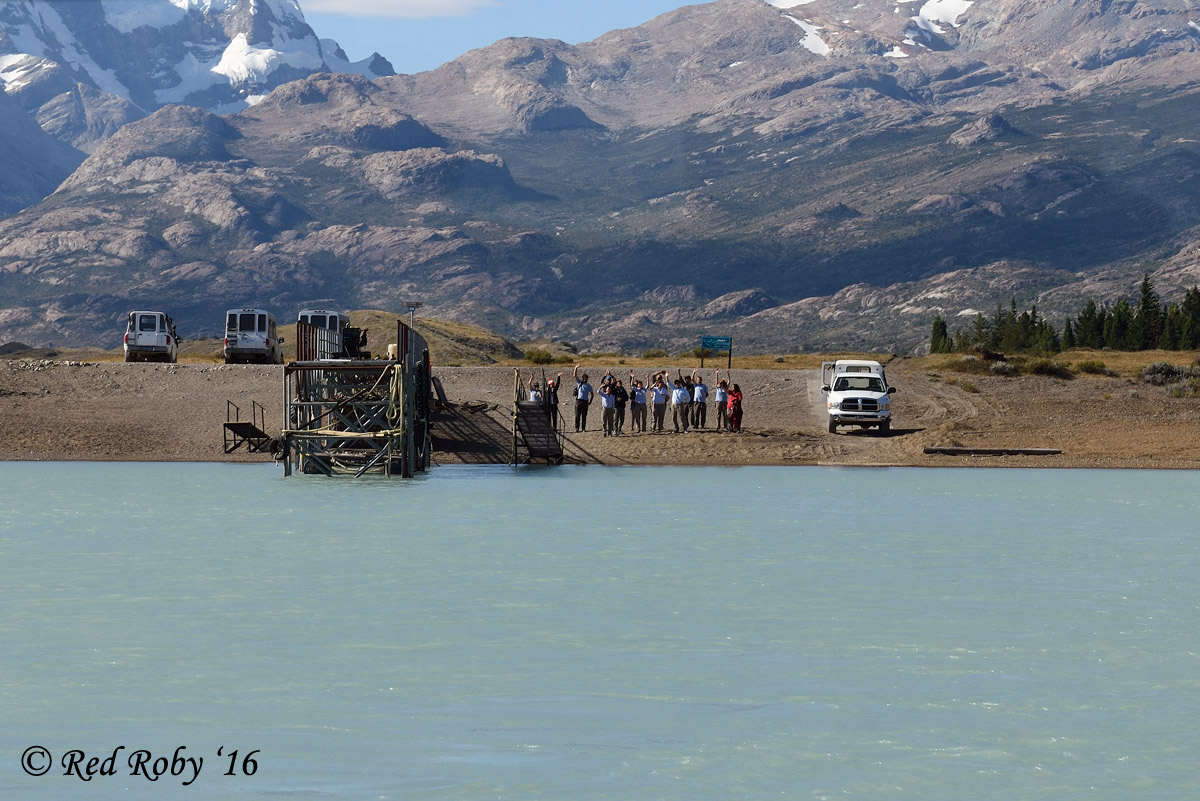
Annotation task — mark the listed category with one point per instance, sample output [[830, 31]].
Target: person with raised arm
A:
[[680, 403], [735, 409], [535, 390], [551, 397], [637, 404], [721, 400], [699, 400], [621, 395], [659, 395], [583, 399]]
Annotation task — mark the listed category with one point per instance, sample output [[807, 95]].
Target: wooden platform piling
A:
[[353, 417]]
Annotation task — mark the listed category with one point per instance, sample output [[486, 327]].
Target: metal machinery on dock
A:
[[356, 416]]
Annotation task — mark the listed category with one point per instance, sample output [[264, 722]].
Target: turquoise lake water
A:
[[601, 633]]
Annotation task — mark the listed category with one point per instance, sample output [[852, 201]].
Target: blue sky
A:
[[417, 35]]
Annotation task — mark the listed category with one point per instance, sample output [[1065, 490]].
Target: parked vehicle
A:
[[250, 336], [343, 341], [323, 318], [150, 336], [857, 394]]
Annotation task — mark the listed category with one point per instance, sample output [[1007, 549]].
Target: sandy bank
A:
[[145, 412]]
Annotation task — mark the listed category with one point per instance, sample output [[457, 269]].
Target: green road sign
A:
[[716, 343]]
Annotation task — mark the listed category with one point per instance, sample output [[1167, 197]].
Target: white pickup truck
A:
[[857, 394]]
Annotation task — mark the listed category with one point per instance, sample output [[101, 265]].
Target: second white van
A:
[[250, 336]]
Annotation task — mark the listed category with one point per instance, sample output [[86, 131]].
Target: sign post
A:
[[716, 343]]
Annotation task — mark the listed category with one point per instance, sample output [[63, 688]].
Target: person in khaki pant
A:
[[681, 402]]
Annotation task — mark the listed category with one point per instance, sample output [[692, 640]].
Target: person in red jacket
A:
[[735, 408]]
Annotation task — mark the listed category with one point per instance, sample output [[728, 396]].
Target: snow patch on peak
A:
[[789, 3], [941, 11], [280, 9], [812, 40], [129, 15], [243, 62], [18, 69]]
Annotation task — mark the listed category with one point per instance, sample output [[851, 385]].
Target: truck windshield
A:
[[867, 383]]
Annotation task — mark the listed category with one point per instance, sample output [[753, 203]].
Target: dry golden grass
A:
[[793, 361], [1124, 364]]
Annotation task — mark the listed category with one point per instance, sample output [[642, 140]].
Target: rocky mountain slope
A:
[[83, 68], [826, 175]]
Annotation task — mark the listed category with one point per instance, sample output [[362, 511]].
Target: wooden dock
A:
[[355, 416]]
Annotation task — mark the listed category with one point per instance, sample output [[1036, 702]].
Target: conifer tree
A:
[[939, 340], [1172, 329], [1189, 311], [1117, 326], [1146, 327]]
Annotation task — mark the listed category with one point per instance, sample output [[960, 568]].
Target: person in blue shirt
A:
[[699, 400], [535, 391], [659, 394], [681, 399], [608, 409], [721, 399], [583, 399], [637, 403]]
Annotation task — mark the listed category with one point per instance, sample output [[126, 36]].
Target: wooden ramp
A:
[[238, 433], [539, 437], [250, 432]]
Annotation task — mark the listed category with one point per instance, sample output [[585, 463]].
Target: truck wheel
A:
[[885, 427], [832, 426]]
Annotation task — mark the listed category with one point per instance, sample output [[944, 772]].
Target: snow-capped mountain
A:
[[83, 68]]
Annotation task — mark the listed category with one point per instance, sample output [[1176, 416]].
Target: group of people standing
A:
[[646, 402]]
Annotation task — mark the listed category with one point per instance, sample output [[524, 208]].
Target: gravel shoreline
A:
[[106, 411]]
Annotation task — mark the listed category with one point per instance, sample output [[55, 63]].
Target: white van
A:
[[150, 336], [328, 342], [322, 318], [250, 336]]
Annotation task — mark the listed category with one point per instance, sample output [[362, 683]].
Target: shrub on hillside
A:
[[1093, 367], [1161, 373], [1005, 369], [1049, 367], [654, 353], [968, 364], [539, 356]]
